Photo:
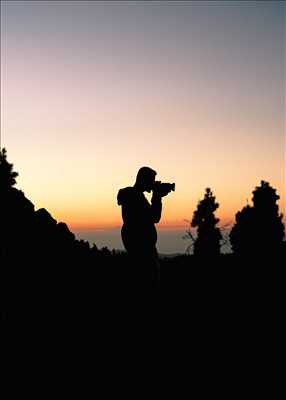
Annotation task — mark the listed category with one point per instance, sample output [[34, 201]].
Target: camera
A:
[[163, 188]]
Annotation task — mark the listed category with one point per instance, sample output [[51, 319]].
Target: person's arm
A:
[[156, 207]]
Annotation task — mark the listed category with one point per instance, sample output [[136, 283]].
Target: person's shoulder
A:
[[126, 194]]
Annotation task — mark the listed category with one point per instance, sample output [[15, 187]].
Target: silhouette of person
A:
[[139, 235]]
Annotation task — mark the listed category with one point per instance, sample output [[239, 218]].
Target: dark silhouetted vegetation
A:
[[48, 273], [259, 230], [7, 175], [207, 243]]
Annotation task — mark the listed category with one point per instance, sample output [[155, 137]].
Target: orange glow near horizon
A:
[[91, 92], [175, 213]]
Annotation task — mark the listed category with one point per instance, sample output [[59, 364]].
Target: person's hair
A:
[[145, 173]]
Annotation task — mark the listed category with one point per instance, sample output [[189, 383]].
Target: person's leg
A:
[[144, 267], [155, 269]]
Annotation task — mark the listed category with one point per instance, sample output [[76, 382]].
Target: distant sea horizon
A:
[[170, 241]]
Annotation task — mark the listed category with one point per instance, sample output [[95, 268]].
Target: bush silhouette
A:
[[259, 229], [207, 243]]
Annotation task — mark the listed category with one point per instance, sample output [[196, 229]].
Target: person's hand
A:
[[156, 192]]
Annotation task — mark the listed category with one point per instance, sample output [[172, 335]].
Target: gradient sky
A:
[[91, 91]]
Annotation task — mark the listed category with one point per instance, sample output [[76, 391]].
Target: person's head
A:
[[145, 179]]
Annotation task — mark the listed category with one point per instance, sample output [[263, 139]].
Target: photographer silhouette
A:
[[138, 232]]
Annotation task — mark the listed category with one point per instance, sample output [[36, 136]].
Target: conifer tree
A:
[[208, 238], [7, 175], [258, 229]]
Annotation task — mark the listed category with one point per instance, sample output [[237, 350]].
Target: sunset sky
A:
[[92, 91]]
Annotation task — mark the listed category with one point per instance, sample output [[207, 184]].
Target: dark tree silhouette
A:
[[259, 229], [7, 175], [16, 212], [207, 243]]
